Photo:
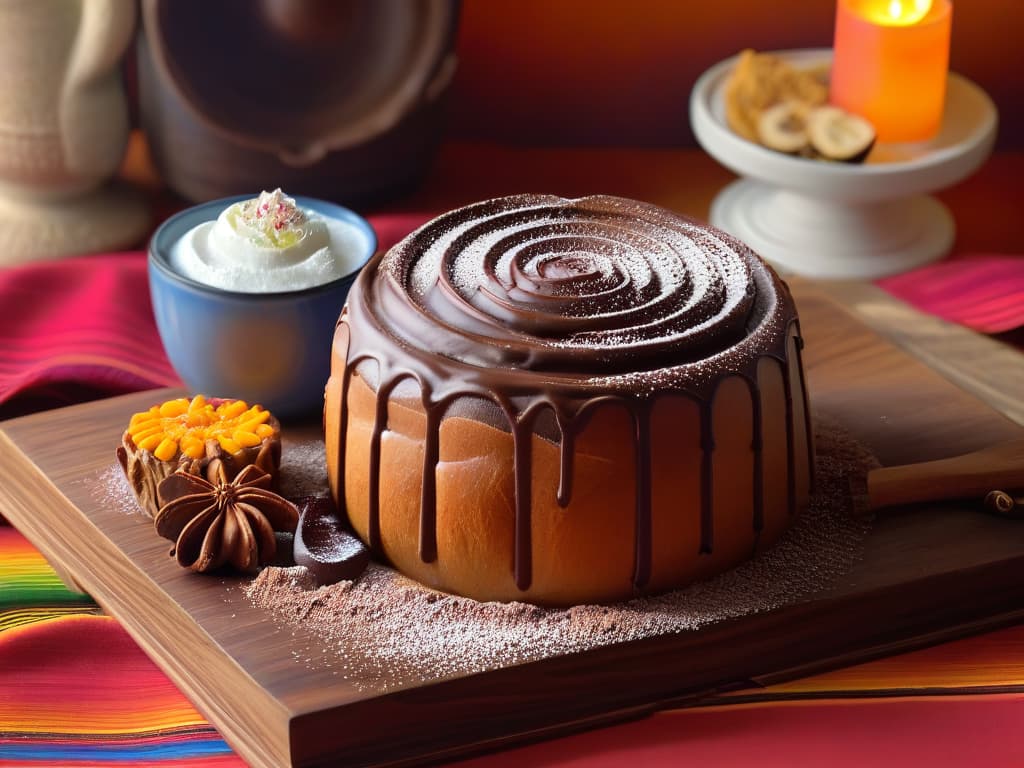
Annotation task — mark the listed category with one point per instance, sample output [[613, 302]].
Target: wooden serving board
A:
[[926, 575]]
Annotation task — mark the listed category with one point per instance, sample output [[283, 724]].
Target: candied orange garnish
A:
[[186, 425]]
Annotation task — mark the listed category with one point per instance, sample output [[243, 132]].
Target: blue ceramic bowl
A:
[[268, 348]]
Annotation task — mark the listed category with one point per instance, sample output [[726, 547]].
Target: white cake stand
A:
[[840, 220]]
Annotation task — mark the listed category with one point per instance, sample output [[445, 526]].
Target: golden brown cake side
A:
[[567, 401]]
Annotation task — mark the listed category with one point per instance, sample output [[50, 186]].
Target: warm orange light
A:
[[890, 64], [898, 13]]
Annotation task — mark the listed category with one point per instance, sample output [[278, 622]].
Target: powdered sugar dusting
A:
[[110, 490], [511, 271], [386, 631]]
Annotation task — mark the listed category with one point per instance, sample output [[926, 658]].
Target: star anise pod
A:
[[213, 523]]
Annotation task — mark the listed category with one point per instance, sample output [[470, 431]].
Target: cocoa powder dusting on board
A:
[[386, 631]]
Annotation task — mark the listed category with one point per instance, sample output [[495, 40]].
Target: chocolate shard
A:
[[324, 547]]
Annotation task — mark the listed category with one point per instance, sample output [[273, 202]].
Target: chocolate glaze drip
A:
[[522, 440], [757, 446], [528, 303], [787, 386], [707, 477], [642, 451], [428, 521], [807, 407]]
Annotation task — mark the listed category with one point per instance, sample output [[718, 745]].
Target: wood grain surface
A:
[[991, 370], [924, 577]]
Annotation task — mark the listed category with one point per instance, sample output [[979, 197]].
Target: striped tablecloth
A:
[[76, 691]]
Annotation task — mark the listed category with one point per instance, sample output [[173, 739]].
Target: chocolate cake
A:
[[566, 401]]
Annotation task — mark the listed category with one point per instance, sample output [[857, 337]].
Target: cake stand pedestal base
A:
[[826, 238], [109, 218]]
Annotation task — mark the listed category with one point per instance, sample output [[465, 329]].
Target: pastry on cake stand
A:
[[840, 220]]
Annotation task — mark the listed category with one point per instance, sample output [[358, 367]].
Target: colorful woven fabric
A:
[[983, 292], [103, 701], [939, 733], [29, 589], [77, 329], [76, 691]]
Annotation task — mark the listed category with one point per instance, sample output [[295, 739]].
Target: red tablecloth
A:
[[75, 690], [76, 329]]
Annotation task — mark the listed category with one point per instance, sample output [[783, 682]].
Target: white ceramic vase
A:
[[63, 129]]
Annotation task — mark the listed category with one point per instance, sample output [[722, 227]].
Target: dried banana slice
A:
[[839, 135], [783, 128], [762, 80]]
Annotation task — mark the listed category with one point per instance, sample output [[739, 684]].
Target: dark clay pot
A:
[[340, 99]]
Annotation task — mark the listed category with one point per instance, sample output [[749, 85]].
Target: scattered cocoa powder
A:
[[387, 631]]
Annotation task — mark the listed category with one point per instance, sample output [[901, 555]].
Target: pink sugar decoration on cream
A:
[[270, 213]]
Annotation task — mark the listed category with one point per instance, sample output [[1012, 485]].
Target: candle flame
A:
[[904, 13]]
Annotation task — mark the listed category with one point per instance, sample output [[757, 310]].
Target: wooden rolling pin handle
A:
[[1003, 504], [971, 475]]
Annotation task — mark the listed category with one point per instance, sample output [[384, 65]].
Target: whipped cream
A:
[[268, 245]]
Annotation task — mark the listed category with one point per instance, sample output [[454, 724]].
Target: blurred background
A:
[[533, 73], [115, 114], [605, 72]]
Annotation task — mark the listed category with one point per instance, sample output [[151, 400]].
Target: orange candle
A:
[[890, 64]]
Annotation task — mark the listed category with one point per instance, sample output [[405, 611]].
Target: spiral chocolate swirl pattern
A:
[[567, 287], [531, 303]]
